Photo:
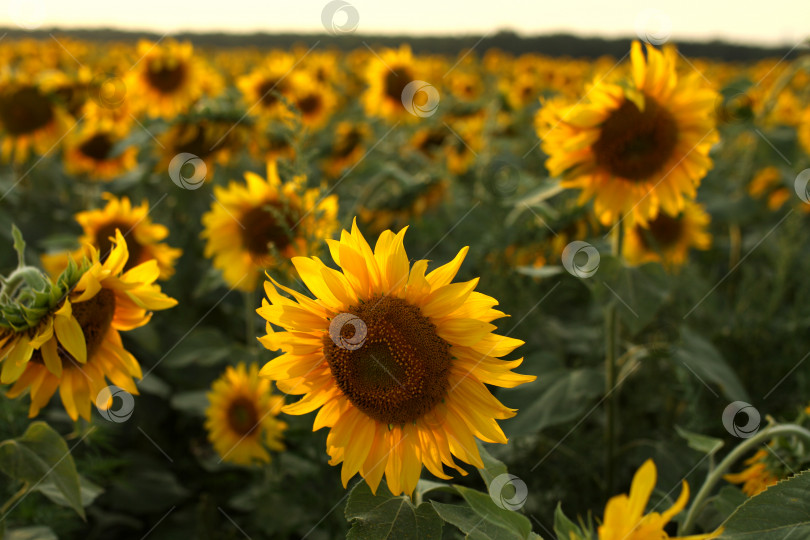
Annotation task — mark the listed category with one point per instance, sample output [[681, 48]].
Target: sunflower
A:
[[216, 142], [668, 239], [76, 346], [241, 416], [168, 79], [387, 76], [98, 230], [30, 119], [396, 360], [804, 130], [635, 148], [348, 147], [91, 150], [262, 224], [756, 477], [768, 182], [263, 88], [624, 515], [314, 100]]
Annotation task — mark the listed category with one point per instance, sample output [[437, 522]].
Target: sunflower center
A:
[[243, 418], [267, 227], [105, 246], [25, 110], [635, 144], [388, 360], [665, 231], [347, 144], [95, 316], [166, 78], [310, 104], [97, 147], [433, 141], [268, 91], [395, 82]]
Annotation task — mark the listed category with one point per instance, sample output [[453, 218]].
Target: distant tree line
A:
[[508, 41]]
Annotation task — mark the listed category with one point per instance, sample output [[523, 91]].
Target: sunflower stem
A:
[[743, 448], [250, 323], [611, 354], [13, 500]]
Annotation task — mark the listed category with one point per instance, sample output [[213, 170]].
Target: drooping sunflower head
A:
[[144, 237], [758, 474], [30, 118], [668, 239], [75, 345], [636, 147], [624, 514], [242, 416], [261, 224], [395, 358]]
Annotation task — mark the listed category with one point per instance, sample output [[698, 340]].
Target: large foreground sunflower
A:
[[75, 345], [634, 148], [395, 359], [263, 223], [145, 238], [242, 418], [624, 515]]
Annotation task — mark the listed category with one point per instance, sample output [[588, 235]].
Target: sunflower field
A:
[[311, 293]]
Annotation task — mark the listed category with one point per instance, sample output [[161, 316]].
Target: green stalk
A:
[[13, 500], [611, 354], [250, 322], [743, 448]]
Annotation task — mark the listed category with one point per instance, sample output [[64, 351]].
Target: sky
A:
[[775, 22]]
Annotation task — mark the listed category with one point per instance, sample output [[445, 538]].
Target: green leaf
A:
[[194, 402], [384, 516], [491, 518], [781, 511], [700, 357], [701, 443], [492, 467], [638, 291], [31, 533], [42, 455], [558, 397], [88, 490], [564, 527]]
